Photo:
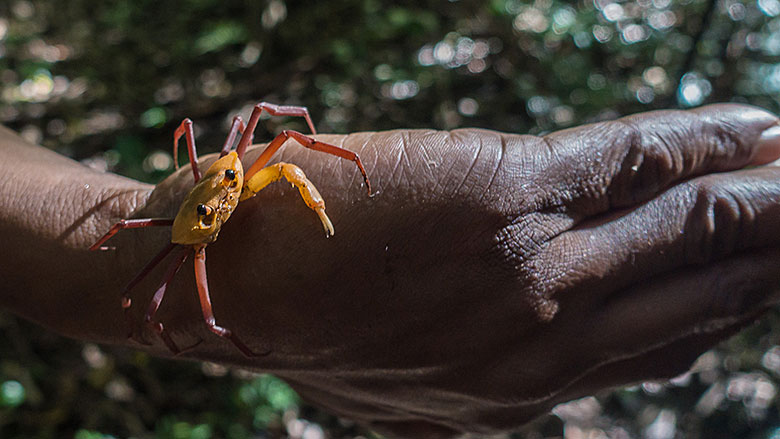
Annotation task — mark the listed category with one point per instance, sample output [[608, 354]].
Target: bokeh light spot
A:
[[468, 106], [693, 90], [153, 117], [769, 7], [12, 393]]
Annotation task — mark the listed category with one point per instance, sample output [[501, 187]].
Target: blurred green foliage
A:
[[107, 82], [119, 76]]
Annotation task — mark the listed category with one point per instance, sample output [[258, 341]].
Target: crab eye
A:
[[230, 174], [202, 210]]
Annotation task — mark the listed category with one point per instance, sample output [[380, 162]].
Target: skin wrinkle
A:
[[637, 147], [398, 158], [604, 161], [426, 158], [728, 210], [726, 134], [568, 162], [404, 164], [527, 252], [364, 147], [730, 133], [496, 167], [747, 221], [472, 163], [440, 184], [418, 168], [529, 194], [592, 187], [725, 210], [700, 240], [722, 148], [555, 200], [440, 177]]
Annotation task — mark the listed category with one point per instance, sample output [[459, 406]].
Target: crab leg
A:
[[236, 127], [154, 305], [129, 224], [307, 142], [274, 110], [185, 129], [205, 303], [294, 175], [126, 301]]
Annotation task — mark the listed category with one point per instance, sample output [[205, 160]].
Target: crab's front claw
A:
[[257, 182]]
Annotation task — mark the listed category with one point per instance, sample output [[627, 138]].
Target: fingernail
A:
[[768, 148]]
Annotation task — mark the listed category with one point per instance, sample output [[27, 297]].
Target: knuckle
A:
[[644, 164], [718, 220], [726, 145]]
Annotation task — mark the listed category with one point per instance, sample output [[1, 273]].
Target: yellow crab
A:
[[214, 198]]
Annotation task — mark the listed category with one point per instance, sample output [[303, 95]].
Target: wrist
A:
[[51, 209]]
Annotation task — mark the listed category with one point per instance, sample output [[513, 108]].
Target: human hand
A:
[[490, 277]]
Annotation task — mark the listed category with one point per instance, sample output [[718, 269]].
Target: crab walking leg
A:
[[154, 305], [294, 175], [307, 142], [205, 303], [127, 301], [129, 224], [185, 129], [236, 127], [273, 110]]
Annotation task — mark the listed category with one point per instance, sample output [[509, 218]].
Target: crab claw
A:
[[329, 231]]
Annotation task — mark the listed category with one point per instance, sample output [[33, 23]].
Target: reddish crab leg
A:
[[274, 110], [307, 142], [205, 303], [129, 224], [185, 129], [154, 305], [236, 127], [127, 301]]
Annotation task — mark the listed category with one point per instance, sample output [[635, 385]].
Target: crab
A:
[[212, 201]]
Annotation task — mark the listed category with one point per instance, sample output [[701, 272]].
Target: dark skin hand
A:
[[491, 277]]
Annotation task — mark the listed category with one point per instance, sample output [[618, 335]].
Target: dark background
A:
[[107, 83]]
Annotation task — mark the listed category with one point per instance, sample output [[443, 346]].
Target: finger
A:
[[693, 300], [708, 218], [627, 161], [642, 318], [665, 362]]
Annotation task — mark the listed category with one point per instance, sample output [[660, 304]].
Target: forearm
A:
[[51, 209]]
